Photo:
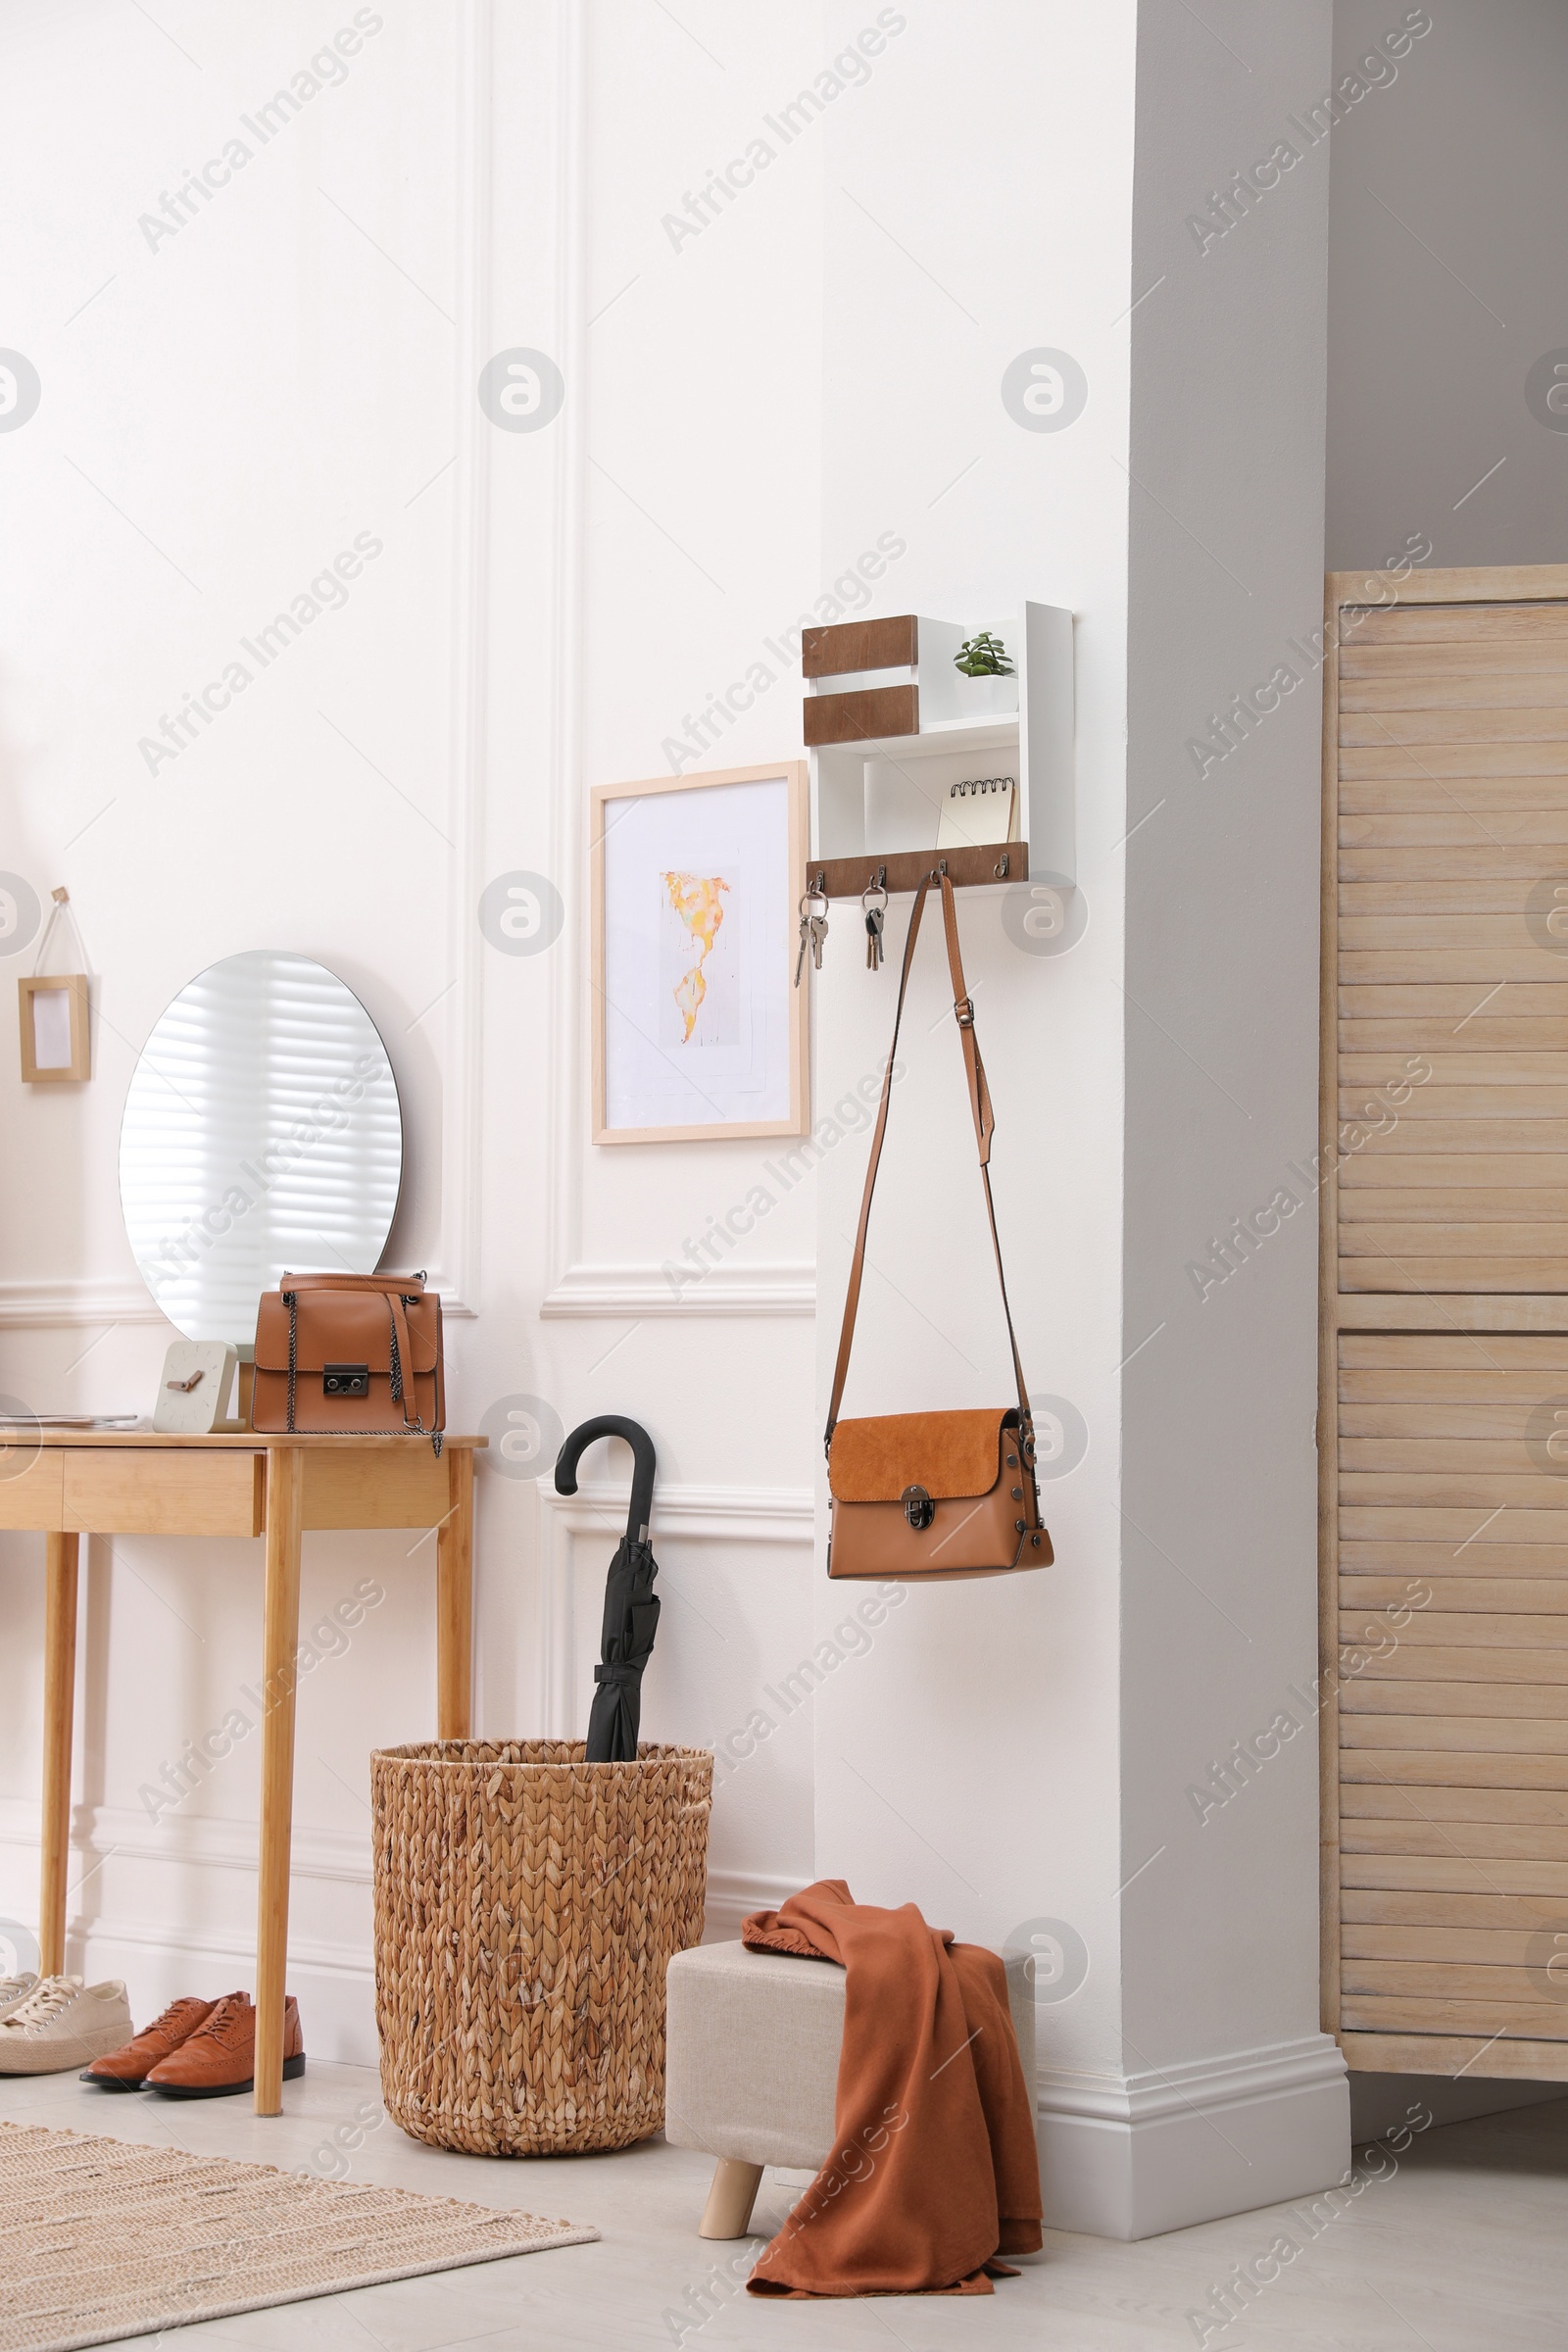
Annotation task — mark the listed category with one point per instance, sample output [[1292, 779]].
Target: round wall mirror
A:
[[263, 1133]]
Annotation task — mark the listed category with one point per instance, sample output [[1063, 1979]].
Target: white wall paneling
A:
[[71, 1305], [725, 1288], [294, 364], [735, 1626], [784, 405], [297, 362]]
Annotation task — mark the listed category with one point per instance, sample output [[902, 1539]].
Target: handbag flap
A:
[[948, 1454], [342, 1327]]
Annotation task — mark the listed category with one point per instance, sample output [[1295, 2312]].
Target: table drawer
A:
[[29, 1489], [405, 1485], [162, 1492]]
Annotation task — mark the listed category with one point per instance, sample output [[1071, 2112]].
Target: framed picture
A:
[[698, 1030], [56, 1033]]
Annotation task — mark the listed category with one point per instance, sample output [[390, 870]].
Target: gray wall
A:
[[1448, 281]]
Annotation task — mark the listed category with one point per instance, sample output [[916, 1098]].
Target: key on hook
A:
[[873, 923], [814, 931]]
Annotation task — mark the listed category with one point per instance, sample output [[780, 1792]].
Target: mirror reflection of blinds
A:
[[262, 1131]]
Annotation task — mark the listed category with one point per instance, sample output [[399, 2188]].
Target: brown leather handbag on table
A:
[[350, 1354], [933, 1496]]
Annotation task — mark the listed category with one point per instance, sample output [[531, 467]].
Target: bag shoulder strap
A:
[[984, 1127]]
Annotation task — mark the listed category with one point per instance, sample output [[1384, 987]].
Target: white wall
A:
[[970, 1763], [1020, 1752], [749, 411], [235, 402], [1220, 1493], [1448, 219], [224, 410]]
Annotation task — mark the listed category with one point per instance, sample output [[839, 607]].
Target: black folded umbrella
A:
[[631, 1605]]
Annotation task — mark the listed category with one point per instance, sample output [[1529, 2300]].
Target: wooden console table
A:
[[240, 1483]]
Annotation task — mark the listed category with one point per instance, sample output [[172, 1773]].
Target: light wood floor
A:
[[1462, 2249]]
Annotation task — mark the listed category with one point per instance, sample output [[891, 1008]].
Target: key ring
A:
[[877, 888], [812, 893]]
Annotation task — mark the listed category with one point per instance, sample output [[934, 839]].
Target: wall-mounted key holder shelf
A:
[[913, 760], [906, 869]]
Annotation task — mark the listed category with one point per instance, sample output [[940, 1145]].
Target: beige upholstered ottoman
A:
[[752, 2060]]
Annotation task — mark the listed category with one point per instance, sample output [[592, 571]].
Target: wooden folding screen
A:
[[1443, 1414]]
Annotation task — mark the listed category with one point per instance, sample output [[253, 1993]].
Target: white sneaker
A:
[[16, 1988], [63, 2023]]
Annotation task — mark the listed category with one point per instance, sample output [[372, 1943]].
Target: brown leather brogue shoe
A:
[[219, 2057], [127, 2069]]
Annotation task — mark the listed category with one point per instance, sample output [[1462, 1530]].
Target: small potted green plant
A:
[[987, 686], [983, 656]]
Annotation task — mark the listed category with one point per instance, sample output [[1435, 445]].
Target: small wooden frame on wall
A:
[[56, 1034], [698, 1030]]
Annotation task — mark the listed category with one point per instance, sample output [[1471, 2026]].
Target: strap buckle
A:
[[964, 1012]]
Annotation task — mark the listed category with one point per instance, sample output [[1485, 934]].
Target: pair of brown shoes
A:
[[198, 2050]]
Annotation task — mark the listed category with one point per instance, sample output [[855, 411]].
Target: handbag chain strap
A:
[[984, 1126]]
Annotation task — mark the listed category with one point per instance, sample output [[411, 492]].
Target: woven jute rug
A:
[[100, 2240]]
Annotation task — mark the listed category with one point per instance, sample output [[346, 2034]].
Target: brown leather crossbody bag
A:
[[350, 1355], [933, 1496]]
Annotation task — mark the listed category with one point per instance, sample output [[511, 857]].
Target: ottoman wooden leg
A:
[[728, 2210]]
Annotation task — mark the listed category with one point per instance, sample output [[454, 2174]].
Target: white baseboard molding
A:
[[733, 1894], [637, 1292], [1135, 2155], [334, 1983]]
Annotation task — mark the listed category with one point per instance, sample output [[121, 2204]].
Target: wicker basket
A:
[[526, 1907]]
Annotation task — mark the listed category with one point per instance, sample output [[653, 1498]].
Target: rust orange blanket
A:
[[933, 2172]]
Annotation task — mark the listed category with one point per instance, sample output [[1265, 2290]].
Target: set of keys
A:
[[873, 923], [813, 926], [814, 931]]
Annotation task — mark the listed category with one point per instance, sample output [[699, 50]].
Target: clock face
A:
[[197, 1377]]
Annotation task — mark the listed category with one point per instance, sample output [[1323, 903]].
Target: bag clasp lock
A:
[[345, 1380], [918, 1508]]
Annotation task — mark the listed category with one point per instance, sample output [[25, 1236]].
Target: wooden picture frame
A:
[[635, 1055], [78, 1065]]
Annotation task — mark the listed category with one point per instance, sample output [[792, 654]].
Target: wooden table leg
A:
[[453, 1602], [58, 1702], [285, 1487]]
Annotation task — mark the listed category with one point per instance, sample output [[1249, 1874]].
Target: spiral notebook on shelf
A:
[[978, 812]]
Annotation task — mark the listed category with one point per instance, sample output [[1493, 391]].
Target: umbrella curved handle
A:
[[613, 1425]]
